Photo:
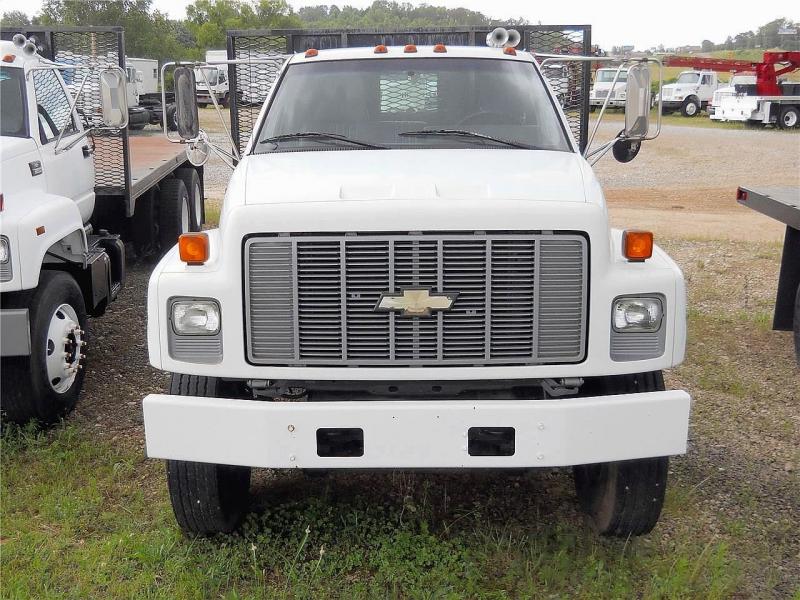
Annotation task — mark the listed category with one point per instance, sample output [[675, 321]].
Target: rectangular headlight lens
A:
[[5, 250], [637, 314], [195, 317]]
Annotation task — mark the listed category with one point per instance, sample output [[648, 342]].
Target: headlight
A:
[[195, 317], [678, 97], [637, 314], [5, 250]]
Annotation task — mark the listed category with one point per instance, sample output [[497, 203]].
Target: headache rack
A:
[[250, 83]]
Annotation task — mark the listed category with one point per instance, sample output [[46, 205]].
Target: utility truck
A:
[[72, 182], [426, 284]]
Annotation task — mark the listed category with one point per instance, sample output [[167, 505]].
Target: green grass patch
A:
[[87, 518]]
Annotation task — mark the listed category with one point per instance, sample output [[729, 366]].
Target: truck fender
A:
[[51, 223]]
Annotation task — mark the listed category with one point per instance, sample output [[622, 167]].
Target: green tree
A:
[[14, 18]]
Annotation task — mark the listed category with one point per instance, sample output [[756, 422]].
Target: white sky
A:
[[612, 23]]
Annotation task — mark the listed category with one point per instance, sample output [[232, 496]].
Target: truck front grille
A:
[[311, 299]]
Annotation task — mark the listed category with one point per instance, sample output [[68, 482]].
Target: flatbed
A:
[[152, 159], [782, 204]]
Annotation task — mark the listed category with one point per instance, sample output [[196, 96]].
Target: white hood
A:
[[329, 176]]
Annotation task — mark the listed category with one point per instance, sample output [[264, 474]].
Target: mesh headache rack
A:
[[250, 83]]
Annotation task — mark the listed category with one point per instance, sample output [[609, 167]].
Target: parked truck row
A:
[[77, 189]]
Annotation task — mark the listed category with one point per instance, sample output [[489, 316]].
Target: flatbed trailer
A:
[[782, 204]]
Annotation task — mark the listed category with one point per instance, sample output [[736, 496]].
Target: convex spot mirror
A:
[[186, 115], [626, 150], [113, 99], [637, 102]]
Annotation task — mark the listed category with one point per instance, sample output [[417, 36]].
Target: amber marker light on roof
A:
[[410, 49], [440, 48], [193, 248], [9, 58], [509, 51], [637, 245], [381, 49], [311, 52]]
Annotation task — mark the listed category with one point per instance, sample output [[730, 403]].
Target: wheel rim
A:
[[790, 119], [691, 108], [64, 348], [198, 206], [185, 215]]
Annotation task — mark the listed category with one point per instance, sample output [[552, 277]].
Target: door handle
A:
[[87, 151]]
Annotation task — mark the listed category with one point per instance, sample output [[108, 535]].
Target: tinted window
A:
[[52, 105], [376, 100], [688, 78], [607, 75], [13, 120]]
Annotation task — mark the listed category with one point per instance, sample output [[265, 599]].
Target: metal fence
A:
[[90, 49], [250, 83]]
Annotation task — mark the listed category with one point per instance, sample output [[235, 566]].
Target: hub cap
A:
[[64, 351], [790, 119], [691, 108]]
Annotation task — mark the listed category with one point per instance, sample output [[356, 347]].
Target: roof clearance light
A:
[[9, 58], [381, 49], [312, 52], [637, 245], [440, 48], [510, 51], [410, 49], [193, 248]]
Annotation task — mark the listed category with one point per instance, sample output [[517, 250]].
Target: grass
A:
[[87, 519]]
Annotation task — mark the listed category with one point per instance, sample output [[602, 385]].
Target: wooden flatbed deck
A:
[[152, 158]]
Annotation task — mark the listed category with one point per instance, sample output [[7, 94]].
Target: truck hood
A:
[[435, 175]]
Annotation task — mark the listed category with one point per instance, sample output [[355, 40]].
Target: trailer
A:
[[782, 204], [77, 192]]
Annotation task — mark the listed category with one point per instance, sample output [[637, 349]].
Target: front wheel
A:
[[623, 498], [690, 107], [45, 385], [174, 212], [206, 498]]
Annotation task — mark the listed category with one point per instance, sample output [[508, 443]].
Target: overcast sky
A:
[[612, 23]]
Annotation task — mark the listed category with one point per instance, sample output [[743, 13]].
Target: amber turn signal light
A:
[[193, 248], [637, 245], [410, 49]]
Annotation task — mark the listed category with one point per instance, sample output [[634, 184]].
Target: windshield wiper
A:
[[320, 135], [471, 134]]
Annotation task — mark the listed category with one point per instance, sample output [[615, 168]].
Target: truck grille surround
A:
[[311, 299]]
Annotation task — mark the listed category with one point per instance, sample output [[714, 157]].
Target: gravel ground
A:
[[742, 465]]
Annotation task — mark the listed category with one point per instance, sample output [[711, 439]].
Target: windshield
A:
[[211, 75], [607, 75], [13, 120], [411, 103], [689, 78]]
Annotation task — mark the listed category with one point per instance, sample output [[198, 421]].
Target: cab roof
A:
[[368, 52], [19, 59]]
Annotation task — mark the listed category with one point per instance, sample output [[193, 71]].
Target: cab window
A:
[[13, 121], [52, 106]]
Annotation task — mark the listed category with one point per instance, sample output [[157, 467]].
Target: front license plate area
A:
[[491, 441], [340, 442]]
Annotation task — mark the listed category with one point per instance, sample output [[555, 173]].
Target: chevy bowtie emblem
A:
[[415, 302]]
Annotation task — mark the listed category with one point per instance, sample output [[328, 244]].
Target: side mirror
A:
[[637, 102], [186, 114], [626, 150], [113, 98]]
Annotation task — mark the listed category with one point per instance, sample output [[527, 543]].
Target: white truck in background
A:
[[604, 87], [691, 93], [70, 173], [728, 90], [434, 282], [213, 80]]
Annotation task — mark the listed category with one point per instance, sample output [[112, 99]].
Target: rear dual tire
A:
[[624, 498]]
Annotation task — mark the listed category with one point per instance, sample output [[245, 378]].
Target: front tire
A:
[[690, 107], [44, 386], [206, 498], [191, 180], [623, 498]]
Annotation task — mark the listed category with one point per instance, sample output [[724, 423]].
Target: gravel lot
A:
[[743, 459]]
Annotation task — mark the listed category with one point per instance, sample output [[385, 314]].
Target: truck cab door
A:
[[70, 172], [706, 89]]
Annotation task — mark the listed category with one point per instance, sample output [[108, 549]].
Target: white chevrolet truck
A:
[[414, 270]]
